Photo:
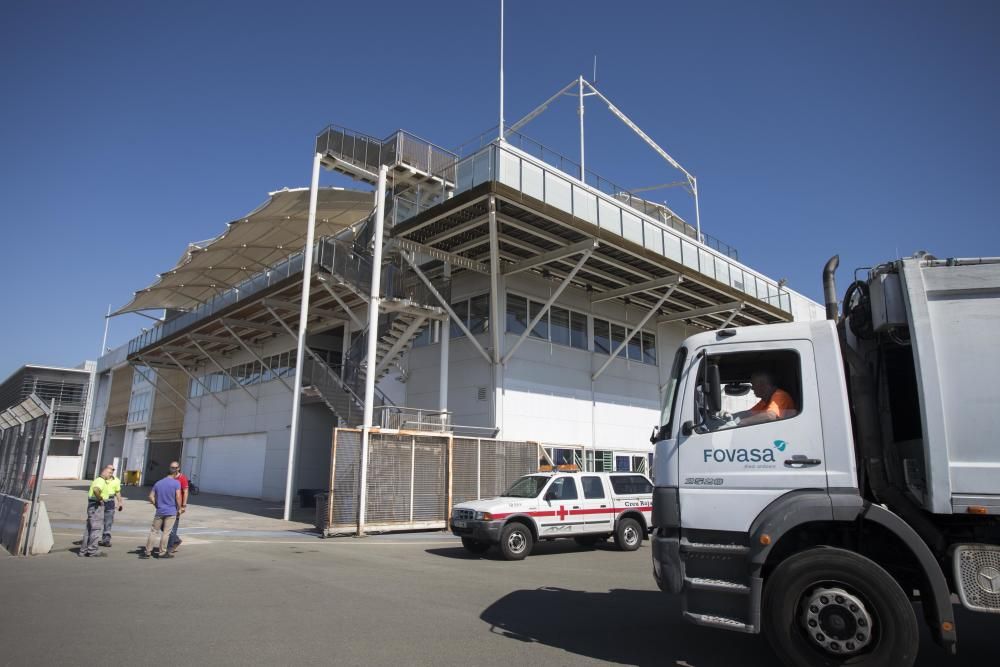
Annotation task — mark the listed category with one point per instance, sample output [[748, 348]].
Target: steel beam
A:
[[638, 327], [160, 391], [552, 256], [336, 297], [256, 356], [249, 324], [548, 304], [196, 379], [221, 368], [669, 281], [441, 255], [701, 312], [447, 307]]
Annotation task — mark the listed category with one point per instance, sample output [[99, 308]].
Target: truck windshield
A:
[[670, 394], [526, 487]]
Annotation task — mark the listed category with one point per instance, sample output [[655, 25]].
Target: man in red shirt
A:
[[175, 541]]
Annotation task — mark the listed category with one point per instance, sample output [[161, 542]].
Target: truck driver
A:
[[774, 403]]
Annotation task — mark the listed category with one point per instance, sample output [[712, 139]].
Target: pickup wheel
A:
[[828, 607], [628, 535], [515, 541], [475, 546]]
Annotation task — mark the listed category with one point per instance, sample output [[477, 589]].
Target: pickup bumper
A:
[[483, 531]]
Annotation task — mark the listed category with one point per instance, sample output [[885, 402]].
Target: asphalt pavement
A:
[[413, 599]]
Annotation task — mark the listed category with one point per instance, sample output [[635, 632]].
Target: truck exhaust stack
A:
[[830, 287]]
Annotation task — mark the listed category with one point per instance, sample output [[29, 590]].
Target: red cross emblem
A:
[[562, 512]]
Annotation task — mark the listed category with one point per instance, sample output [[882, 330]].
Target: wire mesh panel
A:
[[390, 459], [344, 497], [465, 470], [430, 480]]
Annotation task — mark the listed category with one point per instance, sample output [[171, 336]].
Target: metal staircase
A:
[[406, 310]]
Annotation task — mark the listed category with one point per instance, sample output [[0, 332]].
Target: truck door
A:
[[731, 469], [597, 509], [559, 514]]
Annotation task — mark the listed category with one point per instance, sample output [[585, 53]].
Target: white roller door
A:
[[233, 465]]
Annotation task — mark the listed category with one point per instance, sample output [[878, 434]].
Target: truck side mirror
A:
[[713, 389]]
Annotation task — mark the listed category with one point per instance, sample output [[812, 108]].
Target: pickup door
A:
[[559, 515], [596, 508]]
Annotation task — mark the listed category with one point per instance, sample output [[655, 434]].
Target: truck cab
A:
[[813, 479], [586, 506]]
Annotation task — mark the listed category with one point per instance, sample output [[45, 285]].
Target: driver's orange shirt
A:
[[779, 404]]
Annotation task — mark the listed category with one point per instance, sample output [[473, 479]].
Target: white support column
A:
[[494, 280], [583, 168], [373, 313], [697, 209], [445, 330], [307, 258], [500, 129]]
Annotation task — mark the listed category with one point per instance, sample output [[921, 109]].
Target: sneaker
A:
[[167, 555], [99, 554], [143, 555], [102, 543]]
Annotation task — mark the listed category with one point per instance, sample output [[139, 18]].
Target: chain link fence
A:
[[415, 478]]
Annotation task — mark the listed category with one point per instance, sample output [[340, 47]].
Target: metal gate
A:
[[414, 478]]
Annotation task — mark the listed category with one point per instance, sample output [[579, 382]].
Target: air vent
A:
[[481, 394]]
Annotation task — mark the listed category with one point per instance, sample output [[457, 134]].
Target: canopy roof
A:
[[250, 245]]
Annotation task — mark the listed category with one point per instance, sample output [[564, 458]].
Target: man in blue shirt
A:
[[166, 497]]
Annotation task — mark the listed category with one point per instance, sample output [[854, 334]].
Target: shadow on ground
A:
[[544, 548], [270, 509], [620, 626], [646, 628]]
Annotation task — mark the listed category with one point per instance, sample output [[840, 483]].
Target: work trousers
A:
[[174, 540], [92, 529], [160, 529], [109, 519]]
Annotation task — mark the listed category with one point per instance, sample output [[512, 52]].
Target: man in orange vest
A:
[[774, 403]]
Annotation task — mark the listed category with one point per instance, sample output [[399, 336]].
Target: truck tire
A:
[[515, 541], [628, 535], [828, 607], [475, 546]]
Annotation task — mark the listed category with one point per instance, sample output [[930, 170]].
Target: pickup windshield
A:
[[526, 487]]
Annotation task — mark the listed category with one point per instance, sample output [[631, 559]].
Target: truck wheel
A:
[[515, 541], [628, 535], [475, 546], [827, 607]]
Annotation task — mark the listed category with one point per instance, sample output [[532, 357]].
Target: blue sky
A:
[[128, 129]]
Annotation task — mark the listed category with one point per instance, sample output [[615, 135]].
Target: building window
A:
[[253, 372], [608, 336], [560, 326]]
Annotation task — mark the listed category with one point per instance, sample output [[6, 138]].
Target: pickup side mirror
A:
[[687, 428]]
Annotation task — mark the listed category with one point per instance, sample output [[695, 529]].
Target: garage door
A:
[[233, 465]]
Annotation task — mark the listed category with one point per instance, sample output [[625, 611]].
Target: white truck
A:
[[586, 506], [871, 480]]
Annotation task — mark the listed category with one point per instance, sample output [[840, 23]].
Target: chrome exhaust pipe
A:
[[830, 287]]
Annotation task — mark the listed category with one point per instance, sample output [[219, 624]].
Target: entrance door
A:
[[731, 471], [158, 460], [233, 465]]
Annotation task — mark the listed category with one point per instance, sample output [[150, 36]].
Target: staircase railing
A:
[[316, 373]]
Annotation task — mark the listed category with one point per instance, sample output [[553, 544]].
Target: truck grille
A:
[[977, 569], [463, 515]]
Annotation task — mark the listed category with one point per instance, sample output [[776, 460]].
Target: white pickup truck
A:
[[586, 506]]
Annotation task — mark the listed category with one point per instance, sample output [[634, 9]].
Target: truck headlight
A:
[[484, 516]]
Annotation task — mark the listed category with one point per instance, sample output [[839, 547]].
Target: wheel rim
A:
[[516, 542], [631, 535], [836, 620]]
